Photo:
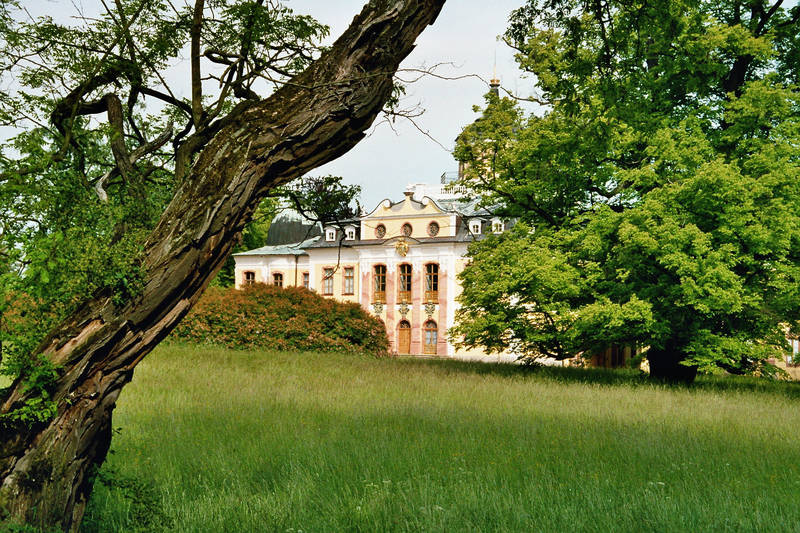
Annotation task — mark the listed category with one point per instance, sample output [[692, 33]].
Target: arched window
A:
[[431, 336], [406, 229], [277, 279], [404, 289], [404, 337], [432, 282], [379, 277]]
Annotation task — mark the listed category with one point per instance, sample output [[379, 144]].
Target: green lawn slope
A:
[[220, 440]]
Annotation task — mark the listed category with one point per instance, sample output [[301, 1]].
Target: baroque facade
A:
[[399, 262]]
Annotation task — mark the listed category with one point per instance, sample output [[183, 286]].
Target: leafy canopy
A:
[[658, 192], [102, 134]]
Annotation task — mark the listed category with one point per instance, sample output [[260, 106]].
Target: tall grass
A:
[[217, 440]]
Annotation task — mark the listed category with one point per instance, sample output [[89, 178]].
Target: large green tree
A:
[[658, 189], [116, 216]]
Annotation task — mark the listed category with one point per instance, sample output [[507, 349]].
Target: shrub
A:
[[292, 318]]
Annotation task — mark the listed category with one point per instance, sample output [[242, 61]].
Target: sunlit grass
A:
[[246, 441]]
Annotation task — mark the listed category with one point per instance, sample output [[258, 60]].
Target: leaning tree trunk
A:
[[45, 471]]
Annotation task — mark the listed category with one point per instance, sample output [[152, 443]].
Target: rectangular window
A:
[[249, 278], [306, 281], [349, 281], [277, 279], [404, 289], [380, 283], [327, 281], [431, 282]]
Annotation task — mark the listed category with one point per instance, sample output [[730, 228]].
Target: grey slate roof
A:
[[281, 249]]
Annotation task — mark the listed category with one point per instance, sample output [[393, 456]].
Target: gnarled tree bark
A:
[[45, 470]]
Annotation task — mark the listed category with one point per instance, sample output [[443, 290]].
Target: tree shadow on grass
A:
[[626, 377]]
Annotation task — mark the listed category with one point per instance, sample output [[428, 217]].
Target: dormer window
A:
[[475, 227], [498, 226], [330, 234], [350, 234]]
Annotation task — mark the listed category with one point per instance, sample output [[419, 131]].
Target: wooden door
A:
[[404, 337], [431, 336]]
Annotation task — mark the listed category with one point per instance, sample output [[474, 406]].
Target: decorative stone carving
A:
[[377, 307], [404, 309], [430, 309], [401, 247]]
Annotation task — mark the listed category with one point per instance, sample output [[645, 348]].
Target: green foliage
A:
[[91, 158], [659, 189], [323, 199], [292, 318]]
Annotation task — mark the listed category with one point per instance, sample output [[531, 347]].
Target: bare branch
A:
[[134, 156], [197, 84]]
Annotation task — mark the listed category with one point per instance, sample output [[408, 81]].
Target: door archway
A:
[[430, 332], [404, 337]]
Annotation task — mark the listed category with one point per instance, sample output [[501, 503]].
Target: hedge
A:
[[292, 318]]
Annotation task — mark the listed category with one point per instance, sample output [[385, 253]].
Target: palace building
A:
[[399, 262]]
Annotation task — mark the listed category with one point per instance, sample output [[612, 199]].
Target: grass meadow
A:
[[213, 440]]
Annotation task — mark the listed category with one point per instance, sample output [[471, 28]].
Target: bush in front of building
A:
[[292, 318]]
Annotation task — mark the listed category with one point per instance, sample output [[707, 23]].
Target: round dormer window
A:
[[380, 231], [433, 229], [406, 230]]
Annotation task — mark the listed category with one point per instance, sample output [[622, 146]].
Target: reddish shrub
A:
[[294, 318]]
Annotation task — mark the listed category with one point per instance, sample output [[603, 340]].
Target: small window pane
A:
[[349, 281], [379, 277], [405, 283], [327, 281]]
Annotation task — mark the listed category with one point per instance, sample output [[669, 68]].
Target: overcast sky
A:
[[465, 34]]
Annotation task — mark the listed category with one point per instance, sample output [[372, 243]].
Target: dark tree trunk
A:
[[666, 364], [45, 471]]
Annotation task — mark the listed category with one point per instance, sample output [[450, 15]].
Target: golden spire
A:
[[494, 83]]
